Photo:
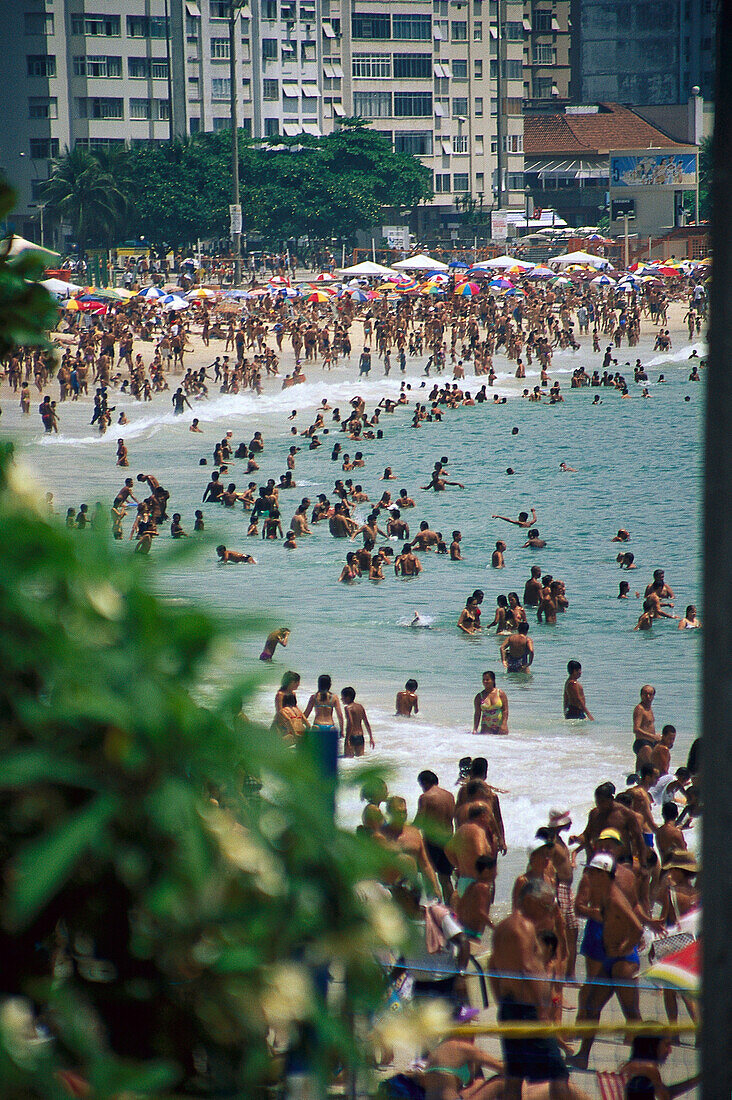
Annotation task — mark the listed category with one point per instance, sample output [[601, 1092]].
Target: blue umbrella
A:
[[458, 263], [152, 292]]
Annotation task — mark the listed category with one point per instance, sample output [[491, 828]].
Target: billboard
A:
[[653, 170]]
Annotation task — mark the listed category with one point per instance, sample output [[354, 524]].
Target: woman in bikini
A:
[[323, 704], [490, 708]]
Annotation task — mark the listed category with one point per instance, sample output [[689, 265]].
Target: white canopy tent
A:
[[368, 267], [59, 288], [19, 246], [421, 262], [504, 263], [598, 262]]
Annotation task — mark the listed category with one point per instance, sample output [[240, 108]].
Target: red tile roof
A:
[[612, 127]]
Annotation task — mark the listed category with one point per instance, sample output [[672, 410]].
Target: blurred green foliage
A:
[[171, 876]]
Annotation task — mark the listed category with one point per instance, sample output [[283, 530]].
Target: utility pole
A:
[[717, 722], [236, 222], [626, 254]]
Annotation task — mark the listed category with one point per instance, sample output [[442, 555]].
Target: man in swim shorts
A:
[[434, 819], [523, 993], [575, 705], [517, 652]]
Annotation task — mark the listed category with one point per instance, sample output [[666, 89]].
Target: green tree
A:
[[26, 308], [82, 192]]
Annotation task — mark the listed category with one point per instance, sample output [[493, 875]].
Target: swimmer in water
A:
[[523, 518], [418, 621], [517, 652], [497, 561], [567, 469], [407, 702], [622, 536], [574, 702], [281, 636], [356, 722], [233, 556], [690, 621], [490, 708]]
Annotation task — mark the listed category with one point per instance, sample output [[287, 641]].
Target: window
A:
[[287, 11], [147, 26], [194, 88], [513, 32], [269, 49], [416, 142], [459, 69], [269, 9], [514, 70], [159, 68], [43, 148], [219, 9], [460, 181], [39, 22], [271, 127], [96, 26], [439, 7], [271, 89], [372, 104], [98, 67], [194, 125], [513, 143], [477, 32], [478, 68], [100, 107], [412, 66], [459, 30], [442, 183], [221, 88], [221, 124], [192, 26], [42, 107], [246, 90], [246, 127], [542, 22], [412, 28], [480, 182], [138, 68], [219, 49], [459, 106], [140, 109], [41, 64], [515, 181], [370, 26], [543, 55], [307, 50], [478, 112], [162, 110], [412, 104], [442, 85], [375, 66], [460, 143], [441, 30]]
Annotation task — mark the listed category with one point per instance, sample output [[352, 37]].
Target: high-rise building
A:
[[548, 35], [442, 79], [642, 53]]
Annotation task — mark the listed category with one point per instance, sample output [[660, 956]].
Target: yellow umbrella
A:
[[72, 305]]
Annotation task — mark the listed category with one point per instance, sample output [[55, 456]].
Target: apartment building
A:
[[547, 53], [442, 79]]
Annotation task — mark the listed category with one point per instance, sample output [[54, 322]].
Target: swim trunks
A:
[[265, 655], [565, 899], [529, 1059], [648, 837], [356, 741], [593, 947], [438, 859], [574, 712], [517, 664], [641, 743]]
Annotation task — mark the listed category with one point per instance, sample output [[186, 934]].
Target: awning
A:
[[437, 33], [555, 24], [328, 30], [440, 70], [578, 169], [446, 147], [287, 47], [311, 91], [307, 12], [527, 24], [339, 110], [328, 70], [193, 9], [555, 89], [292, 91], [438, 110], [311, 128], [494, 32], [337, 69], [292, 129]]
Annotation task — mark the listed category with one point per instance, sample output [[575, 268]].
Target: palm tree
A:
[[84, 193]]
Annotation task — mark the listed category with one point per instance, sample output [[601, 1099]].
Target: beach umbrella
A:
[[173, 302], [279, 280], [358, 295], [602, 280], [540, 273], [668, 271], [407, 287], [561, 280], [324, 277], [681, 971], [19, 246], [501, 284], [152, 292], [467, 290], [438, 278], [200, 293], [236, 294], [458, 263], [72, 305], [318, 296]]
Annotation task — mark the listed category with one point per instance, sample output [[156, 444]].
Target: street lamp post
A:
[[236, 222], [528, 204]]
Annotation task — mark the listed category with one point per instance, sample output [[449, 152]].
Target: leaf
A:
[[43, 865], [35, 766]]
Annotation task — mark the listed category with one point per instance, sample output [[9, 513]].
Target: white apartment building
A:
[[425, 73]]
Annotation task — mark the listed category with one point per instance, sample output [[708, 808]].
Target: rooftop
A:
[[590, 130]]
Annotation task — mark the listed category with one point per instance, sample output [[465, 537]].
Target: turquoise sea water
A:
[[638, 465]]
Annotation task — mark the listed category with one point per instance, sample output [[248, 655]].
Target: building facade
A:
[[547, 54], [442, 79], [634, 53]]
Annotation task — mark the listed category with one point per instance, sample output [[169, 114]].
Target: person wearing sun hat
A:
[[561, 860], [609, 945]]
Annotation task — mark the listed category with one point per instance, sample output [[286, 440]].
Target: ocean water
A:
[[639, 466]]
